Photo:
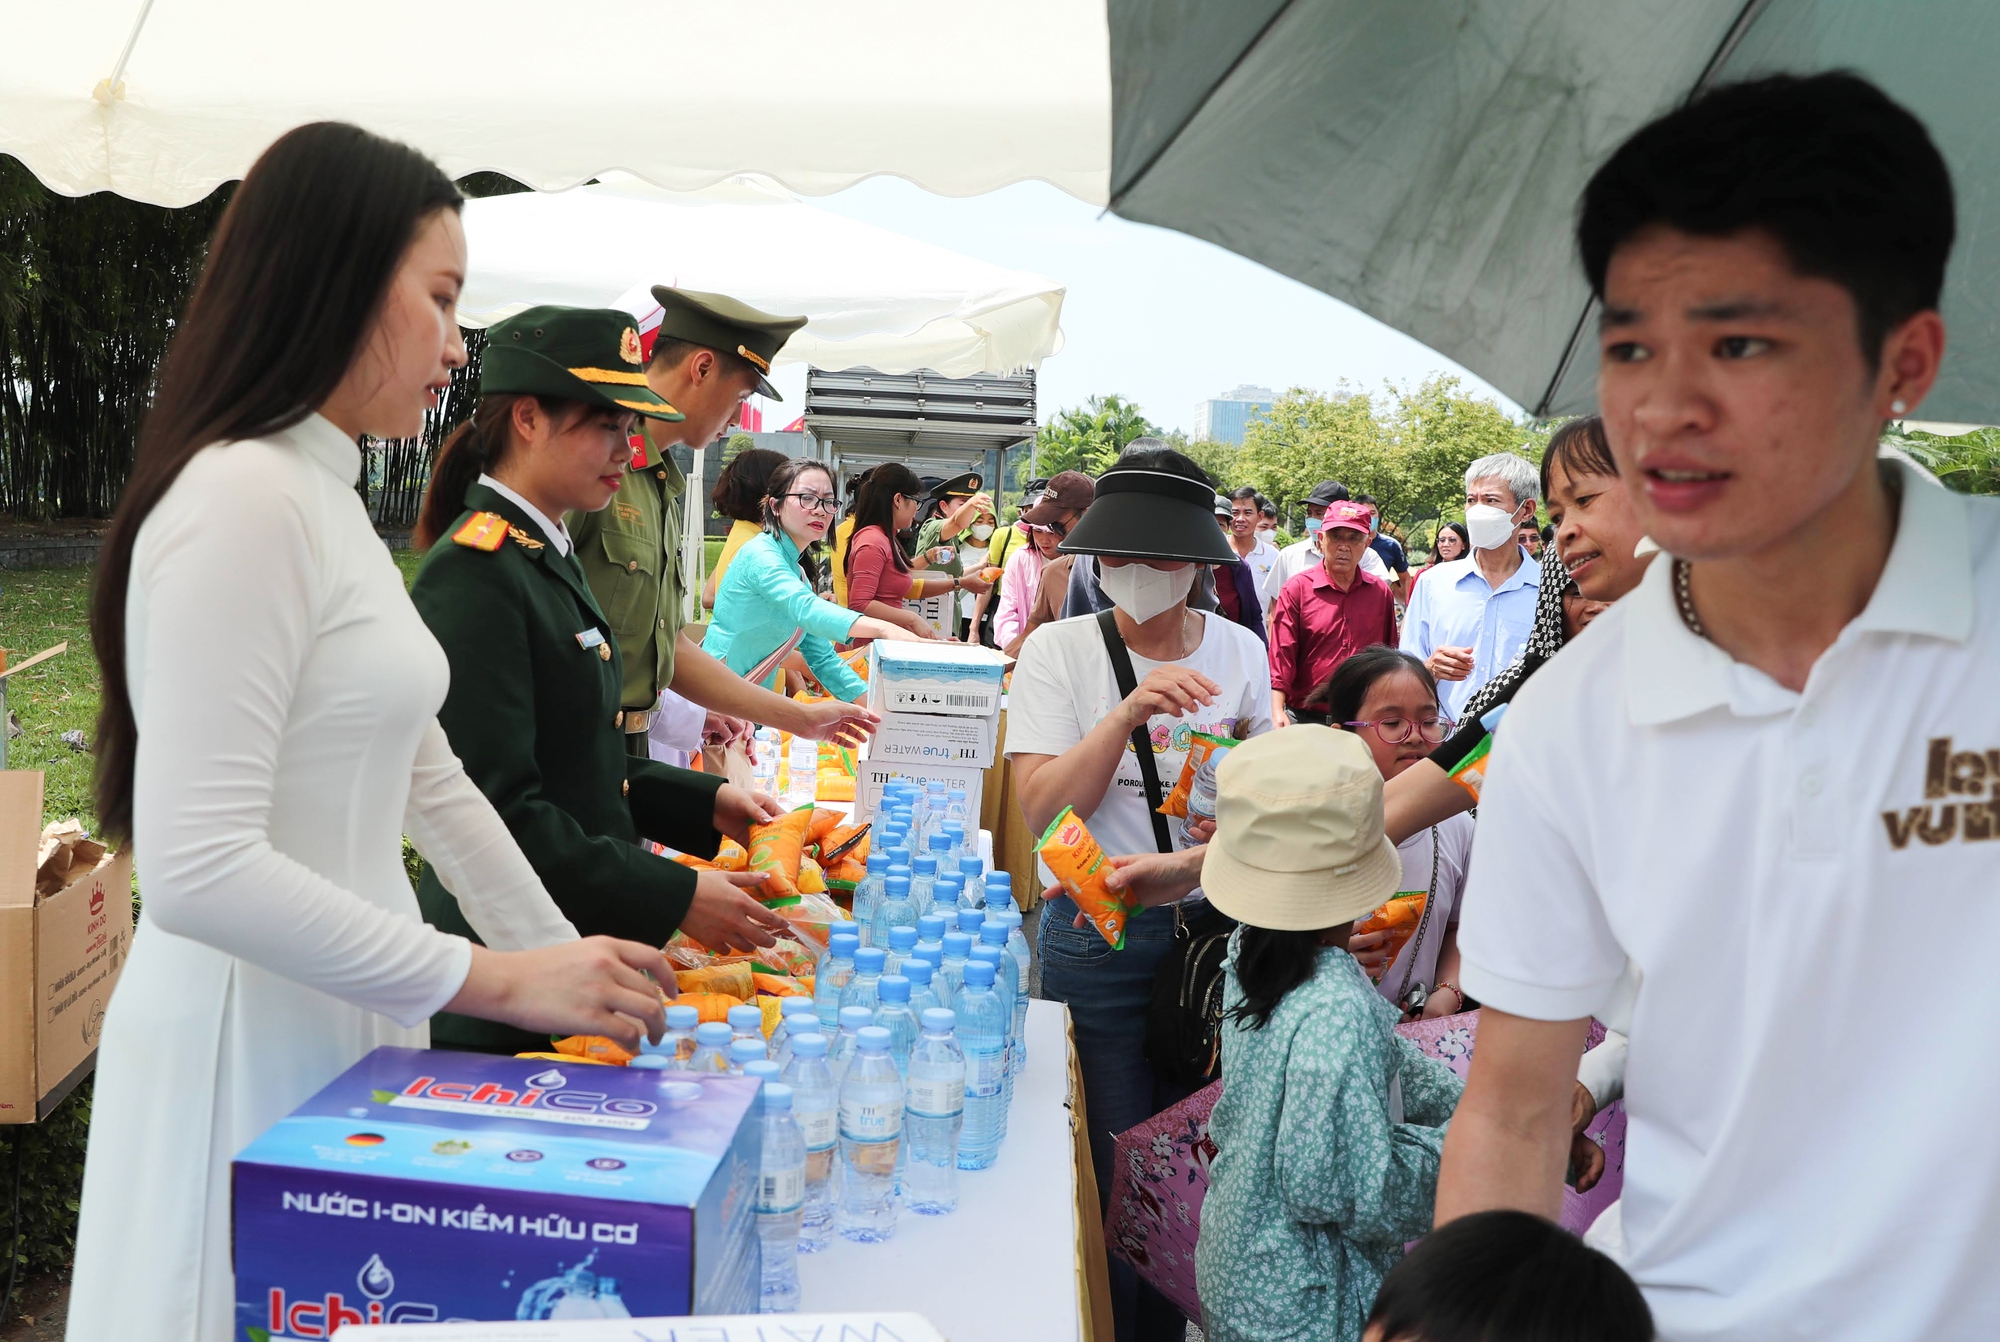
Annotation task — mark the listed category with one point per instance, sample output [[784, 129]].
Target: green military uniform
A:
[[631, 550], [930, 535], [534, 709]]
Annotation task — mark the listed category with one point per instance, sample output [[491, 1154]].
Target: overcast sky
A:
[[1151, 314]]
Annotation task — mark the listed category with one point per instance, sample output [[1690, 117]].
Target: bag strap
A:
[[1142, 736]]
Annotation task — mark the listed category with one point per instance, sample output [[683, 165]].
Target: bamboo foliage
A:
[[395, 471]]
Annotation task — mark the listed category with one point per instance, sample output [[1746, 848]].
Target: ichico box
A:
[[423, 1186], [957, 678], [65, 930], [934, 738], [875, 773]]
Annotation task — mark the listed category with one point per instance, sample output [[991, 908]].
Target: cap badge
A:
[[628, 346]]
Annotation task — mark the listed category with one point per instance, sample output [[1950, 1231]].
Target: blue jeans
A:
[[1107, 993]]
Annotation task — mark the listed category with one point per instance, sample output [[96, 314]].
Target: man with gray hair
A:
[[1471, 619]]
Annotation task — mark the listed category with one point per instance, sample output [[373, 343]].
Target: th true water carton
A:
[[423, 1186]]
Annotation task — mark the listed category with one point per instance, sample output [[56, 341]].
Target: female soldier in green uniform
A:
[[534, 709]]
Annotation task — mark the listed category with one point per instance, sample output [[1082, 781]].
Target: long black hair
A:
[[1342, 693], [777, 487], [1269, 964], [295, 276], [1465, 537], [474, 448], [876, 507]]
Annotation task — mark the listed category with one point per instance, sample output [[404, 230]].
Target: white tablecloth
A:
[[1002, 1268]]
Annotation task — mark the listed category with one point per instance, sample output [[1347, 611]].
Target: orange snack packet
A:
[[1200, 746], [1400, 918], [824, 822], [991, 573], [833, 786], [569, 1057], [729, 856], [775, 850], [777, 985], [731, 979], [1077, 861], [709, 1006], [593, 1048]]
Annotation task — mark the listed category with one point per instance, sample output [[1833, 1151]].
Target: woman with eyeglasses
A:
[[765, 606], [1388, 698], [879, 578]]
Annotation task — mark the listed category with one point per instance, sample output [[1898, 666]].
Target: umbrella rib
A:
[[1731, 39], [1153, 158], [131, 41]]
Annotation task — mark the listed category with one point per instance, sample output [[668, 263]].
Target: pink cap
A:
[[1347, 513]]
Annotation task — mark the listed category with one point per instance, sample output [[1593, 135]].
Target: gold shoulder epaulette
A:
[[482, 531], [523, 539]]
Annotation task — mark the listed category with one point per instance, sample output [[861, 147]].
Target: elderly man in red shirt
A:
[[1329, 612]]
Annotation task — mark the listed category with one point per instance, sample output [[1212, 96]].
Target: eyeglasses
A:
[[815, 503], [1056, 529], [1395, 731]]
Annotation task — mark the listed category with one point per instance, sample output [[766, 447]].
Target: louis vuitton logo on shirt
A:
[[1972, 778]]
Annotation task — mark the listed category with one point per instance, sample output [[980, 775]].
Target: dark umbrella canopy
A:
[[1422, 161]]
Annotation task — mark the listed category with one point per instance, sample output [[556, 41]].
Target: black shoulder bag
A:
[[1184, 1016]]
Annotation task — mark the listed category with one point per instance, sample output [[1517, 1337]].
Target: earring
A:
[[1898, 407]]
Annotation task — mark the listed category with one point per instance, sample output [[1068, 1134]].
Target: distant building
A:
[[1224, 418]]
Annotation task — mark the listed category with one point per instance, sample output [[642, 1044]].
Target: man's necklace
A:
[[1684, 599]]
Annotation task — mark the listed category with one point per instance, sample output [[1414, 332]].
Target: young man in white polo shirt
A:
[[1768, 776]]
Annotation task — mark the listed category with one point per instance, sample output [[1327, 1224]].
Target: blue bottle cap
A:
[[1012, 917], [777, 1097], [940, 1020], [809, 1046], [656, 1062], [793, 1006], [763, 1069], [873, 1039], [1000, 879], [989, 953], [853, 1018], [878, 862], [714, 1033], [941, 841], [918, 970], [844, 943], [746, 1050], [971, 920], [956, 794], [902, 939], [745, 1017], [929, 927], [898, 884], [955, 829], [979, 974], [682, 1018], [895, 988], [899, 856], [925, 864], [972, 864], [934, 785], [957, 945], [992, 932], [868, 960]]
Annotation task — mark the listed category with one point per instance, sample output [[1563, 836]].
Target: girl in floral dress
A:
[[1330, 1125]]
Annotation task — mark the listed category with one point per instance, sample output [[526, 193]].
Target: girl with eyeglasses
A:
[[764, 605], [879, 577], [1389, 700]]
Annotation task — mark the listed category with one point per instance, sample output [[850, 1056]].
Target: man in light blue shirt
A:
[[1469, 618]]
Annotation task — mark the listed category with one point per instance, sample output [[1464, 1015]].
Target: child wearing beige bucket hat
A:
[[1330, 1124]]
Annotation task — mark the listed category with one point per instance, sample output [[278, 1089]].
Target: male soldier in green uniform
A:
[[709, 354]]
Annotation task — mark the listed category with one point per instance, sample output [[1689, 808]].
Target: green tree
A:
[[1969, 462], [1223, 461], [1437, 431], [1309, 436], [1089, 437], [738, 442]]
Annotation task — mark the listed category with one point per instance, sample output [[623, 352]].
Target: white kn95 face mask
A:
[[1142, 591]]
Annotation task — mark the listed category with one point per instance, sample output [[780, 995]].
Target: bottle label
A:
[[937, 1097], [984, 1069], [874, 1121], [781, 1190], [821, 1129]]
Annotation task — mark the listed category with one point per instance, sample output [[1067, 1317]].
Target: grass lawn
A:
[[39, 608]]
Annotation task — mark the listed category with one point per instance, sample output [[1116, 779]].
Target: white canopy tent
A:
[[163, 102], [871, 298]]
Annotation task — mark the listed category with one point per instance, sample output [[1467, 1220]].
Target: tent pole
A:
[[114, 87]]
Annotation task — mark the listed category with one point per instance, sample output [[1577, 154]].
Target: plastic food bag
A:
[[1077, 861], [1200, 747], [733, 979], [593, 1048], [775, 850], [1400, 918]]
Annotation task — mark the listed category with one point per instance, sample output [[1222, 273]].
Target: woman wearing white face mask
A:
[[1070, 734]]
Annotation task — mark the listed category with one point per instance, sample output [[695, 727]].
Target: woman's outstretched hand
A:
[[597, 985]]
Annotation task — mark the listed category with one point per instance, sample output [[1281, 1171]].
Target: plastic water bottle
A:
[[923, 877], [816, 1107], [745, 1050], [931, 926], [999, 888], [649, 1062], [896, 910], [1002, 962], [933, 1116], [763, 1069], [945, 898], [894, 1015], [1201, 794], [747, 1022], [918, 970], [677, 1044], [781, 1198], [802, 767], [871, 1136], [831, 977], [764, 771], [793, 1013], [868, 894], [938, 845], [949, 982], [970, 920], [902, 944], [982, 1034], [853, 1020], [934, 803], [711, 1048], [954, 846], [1017, 946], [972, 866], [861, 989], [956, 806]]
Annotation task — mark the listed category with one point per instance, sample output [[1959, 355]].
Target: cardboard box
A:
[[937, 612], [934, 738], [875, 773], [958, 678], [425, 1186], [873, 1327], [60, 953]]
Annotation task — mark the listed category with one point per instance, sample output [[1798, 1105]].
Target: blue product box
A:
[[425, 1186]]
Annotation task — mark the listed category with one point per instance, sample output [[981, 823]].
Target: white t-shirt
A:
[[1805, 884], [1263, 557], [1064, 685], [1454, 855], [1299, 556]]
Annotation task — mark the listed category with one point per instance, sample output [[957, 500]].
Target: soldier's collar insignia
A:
[[523, 539]]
